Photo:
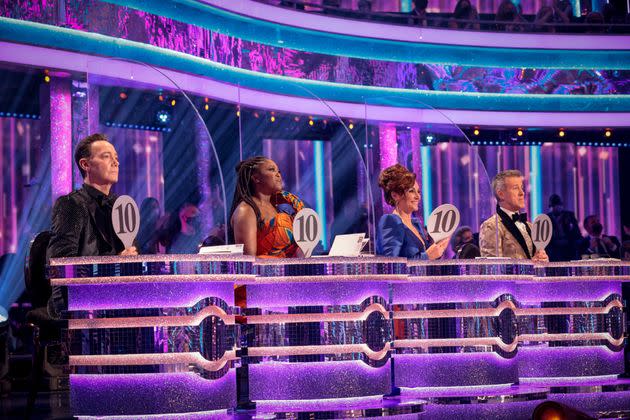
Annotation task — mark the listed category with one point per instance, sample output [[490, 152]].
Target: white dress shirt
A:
[[521, 226]]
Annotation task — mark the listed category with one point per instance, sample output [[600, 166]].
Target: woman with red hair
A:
[[399, 234]]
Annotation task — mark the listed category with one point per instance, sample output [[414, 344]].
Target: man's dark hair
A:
[[587, 218], [555, 200], [84, 149], [421, 4]]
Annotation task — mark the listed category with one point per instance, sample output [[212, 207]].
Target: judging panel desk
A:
[[201, 333]]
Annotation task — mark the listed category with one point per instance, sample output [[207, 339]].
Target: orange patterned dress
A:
[[275, 239]]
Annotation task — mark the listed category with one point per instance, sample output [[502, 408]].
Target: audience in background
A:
[[558, 13], [462, 244], [334, 4], [216, 237], [553, 16], [365, 6], [566, 233], [625, 241], [182, 233], [509, 17], [596, 244], [595, 19], [419, 13], [147, 238], [543, 16], [564, 11], [465, 16]]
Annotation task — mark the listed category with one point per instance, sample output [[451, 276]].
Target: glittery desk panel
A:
[[317, 339], [559, 324], [143, 394], [328, 329], [544, 361], [146, 295], [313, 293], [152, 334], [317, 380], [453, 369]]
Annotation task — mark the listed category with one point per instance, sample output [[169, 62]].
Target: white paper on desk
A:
[[347, 245], [222, 249]]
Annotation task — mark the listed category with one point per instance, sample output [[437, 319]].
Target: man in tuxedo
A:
[[596, 243], [507, 233], [82, 220]]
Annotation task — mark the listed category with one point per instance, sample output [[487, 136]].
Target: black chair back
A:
[[37, 282]]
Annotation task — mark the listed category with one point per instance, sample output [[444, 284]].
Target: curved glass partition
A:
[[318, 156], [447, 166], [168, 160]]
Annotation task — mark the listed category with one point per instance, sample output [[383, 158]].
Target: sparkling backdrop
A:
[[135, 25]]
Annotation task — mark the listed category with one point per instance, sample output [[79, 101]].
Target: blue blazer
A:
[[394, 239]]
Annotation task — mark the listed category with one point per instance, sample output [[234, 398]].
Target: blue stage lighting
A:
[[163, 117]]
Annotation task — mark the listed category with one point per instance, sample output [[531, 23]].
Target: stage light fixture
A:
[[161, 98], [608, 133], [351, 126], [311, 122], [561, 133], [122, 96], [173, 102], [519, 133], [206, 107], [272, 119], [163, 117], [476, 132], [47, 79], [238, 113], [429, 138], [206, 100], [296, 118]]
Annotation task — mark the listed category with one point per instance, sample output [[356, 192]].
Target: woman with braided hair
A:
[[259, 218]]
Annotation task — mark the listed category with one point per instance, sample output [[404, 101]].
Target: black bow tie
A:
[[519, 217]]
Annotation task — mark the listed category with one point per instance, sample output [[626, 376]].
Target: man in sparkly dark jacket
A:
[[82, 220]]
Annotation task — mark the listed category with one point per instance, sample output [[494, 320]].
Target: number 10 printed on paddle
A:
[[542, 231], [126, 219], [443, 221], [307, 229]]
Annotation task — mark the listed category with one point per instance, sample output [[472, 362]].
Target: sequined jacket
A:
[[495, 240], [81, 226]]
